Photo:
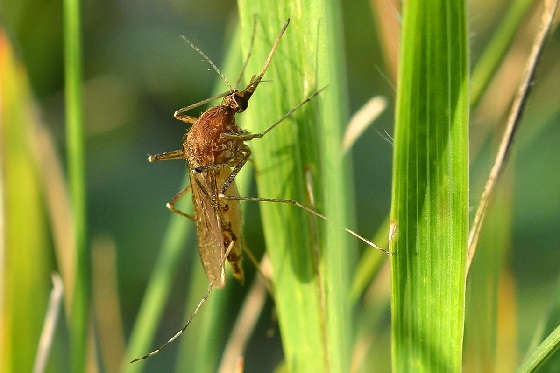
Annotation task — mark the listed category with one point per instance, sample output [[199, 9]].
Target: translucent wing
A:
[[208, 227]]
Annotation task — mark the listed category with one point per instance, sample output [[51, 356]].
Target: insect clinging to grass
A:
[[215, 151]]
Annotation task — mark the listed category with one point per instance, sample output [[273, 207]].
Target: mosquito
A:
[[215, 151]]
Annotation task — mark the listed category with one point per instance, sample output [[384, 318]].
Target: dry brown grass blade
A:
[[512, 124], [49, 326], [106, 305], [55, 189], [362, 119], [388, 19], [246, 321]]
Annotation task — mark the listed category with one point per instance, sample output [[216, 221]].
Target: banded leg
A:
[[171, 204], [250, 136], [167, 156]]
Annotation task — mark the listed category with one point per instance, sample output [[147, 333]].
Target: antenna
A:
[[210, 62]]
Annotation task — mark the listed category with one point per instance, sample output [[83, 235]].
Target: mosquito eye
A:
[[241, 102]]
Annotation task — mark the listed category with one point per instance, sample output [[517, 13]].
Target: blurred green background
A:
[[137, 71]]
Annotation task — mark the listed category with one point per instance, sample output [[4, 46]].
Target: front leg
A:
[[167, 156], [185, 118]]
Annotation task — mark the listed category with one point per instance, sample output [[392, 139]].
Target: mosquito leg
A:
[[307, 209], [167, 156], [246, 154], [185, 118], [179, 113], [189, 320], [171, 204], [250, 136]]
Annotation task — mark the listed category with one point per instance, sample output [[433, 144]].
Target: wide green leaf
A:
[[311, 300], [430, 189]]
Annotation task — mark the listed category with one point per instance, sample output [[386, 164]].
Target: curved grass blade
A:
[[548, 325], [542, 352]]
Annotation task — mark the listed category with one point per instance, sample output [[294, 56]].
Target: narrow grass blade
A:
[[76, 173], [552, 363], [315, 327], [542, 352], [430, 189]]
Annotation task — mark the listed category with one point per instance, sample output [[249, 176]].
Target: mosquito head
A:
[[237, 100]]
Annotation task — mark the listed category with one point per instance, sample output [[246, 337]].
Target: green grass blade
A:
[[76, 173], [542, 352], [25, 260], [430, 189], [497, 48], [315, 328], [552, 364]]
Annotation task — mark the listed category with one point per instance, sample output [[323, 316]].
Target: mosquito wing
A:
[[208, 226]]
